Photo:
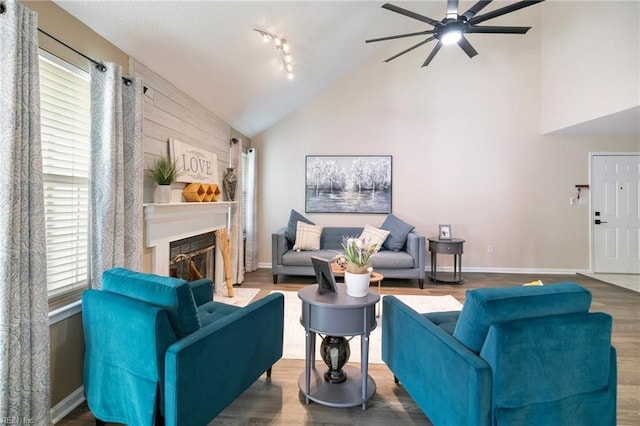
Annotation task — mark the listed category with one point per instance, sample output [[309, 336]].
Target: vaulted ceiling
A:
[[210, 51]]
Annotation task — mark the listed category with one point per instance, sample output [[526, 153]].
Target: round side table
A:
[[454, 246], [337, 314]]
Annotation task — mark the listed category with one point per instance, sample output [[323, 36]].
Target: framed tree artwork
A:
[[348, 184]]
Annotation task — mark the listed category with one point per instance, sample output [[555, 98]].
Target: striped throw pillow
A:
[[307, 237]]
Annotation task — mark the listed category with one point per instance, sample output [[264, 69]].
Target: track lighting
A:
[[283, 47]]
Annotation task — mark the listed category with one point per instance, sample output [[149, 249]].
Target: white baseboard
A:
[[65, 406], [494, 270]]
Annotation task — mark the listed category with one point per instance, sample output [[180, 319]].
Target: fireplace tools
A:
[[222, 237]]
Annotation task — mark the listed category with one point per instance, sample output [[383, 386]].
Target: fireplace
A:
[[172, 222], [193, 258]]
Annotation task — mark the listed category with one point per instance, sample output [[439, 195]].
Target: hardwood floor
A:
[[277, 401]]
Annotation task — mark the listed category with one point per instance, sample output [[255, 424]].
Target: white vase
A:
[[162, 194], [357, 284]]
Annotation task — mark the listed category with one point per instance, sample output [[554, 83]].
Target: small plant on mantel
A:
[[164, 171]]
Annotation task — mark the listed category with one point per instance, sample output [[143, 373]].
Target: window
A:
[[65, 114]]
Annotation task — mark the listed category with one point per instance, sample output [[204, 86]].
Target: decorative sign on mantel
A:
[[194, 164]]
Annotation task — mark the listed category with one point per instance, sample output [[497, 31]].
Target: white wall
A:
[[467, 151], [590, 60]]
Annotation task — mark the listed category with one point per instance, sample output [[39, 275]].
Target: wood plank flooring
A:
[[277, 401]]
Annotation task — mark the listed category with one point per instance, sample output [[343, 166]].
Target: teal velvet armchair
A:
[[513, 356], [160, 350]]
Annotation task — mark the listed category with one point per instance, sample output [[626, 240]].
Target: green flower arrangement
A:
[[164, 171], [357, 255]]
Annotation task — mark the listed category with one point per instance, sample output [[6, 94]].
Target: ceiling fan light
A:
[[451, 37]]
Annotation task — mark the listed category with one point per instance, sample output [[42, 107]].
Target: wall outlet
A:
[[572, 201], [490, 248]]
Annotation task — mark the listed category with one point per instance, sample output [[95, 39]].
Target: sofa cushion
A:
[[307, 237], [486, 306], [398, 231], [333, 236], [303, 258], [292, 226], [374, 236], [387, 259], [172, 294]]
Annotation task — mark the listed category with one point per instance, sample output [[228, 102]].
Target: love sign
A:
[[194, 164]]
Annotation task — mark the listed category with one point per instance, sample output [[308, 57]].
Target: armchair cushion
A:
[[294, 218], [398, 232], [172, 294], [485, 307], [446, 321]]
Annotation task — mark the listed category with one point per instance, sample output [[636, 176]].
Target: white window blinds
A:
[[65, 114]]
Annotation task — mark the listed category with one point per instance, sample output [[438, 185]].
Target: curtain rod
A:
[[99, 65]]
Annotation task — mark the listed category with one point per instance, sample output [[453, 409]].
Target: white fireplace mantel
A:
[[169, 222]]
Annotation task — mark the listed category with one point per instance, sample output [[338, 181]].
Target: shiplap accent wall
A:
[[170, 113]]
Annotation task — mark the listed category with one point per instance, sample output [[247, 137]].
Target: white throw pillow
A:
[[307, 237], [374, 236]]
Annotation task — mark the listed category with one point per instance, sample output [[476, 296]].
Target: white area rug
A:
[[294, 347], [242, 296]]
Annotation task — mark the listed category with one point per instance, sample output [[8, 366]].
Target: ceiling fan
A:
[[453, 27]]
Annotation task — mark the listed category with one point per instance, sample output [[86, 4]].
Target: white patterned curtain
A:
[[116, 172], [24, 312], [251, 197], [235, 236]]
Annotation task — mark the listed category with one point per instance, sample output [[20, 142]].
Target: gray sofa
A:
[[407, 263]]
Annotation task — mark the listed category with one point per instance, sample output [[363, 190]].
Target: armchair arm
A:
[[449, 383], [279, 247], [202, 290], [207, 370], [119, 332], [417, 249]]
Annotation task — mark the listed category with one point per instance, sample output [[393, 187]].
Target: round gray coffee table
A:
[[337, 314]]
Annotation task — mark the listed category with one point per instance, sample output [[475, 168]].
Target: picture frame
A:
[[444, 232], [348, 184], [324, 275], [194, 164]]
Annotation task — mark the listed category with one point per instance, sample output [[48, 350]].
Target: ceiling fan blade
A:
[[411, 14], [467, 47], [432, 54], [497, 30], [400, 36], [475, 9], [503, 11], [410, 49], [452, 9]]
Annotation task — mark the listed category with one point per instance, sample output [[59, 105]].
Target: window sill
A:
[[65, 312]]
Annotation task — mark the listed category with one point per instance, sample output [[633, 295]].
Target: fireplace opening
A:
[[193, 258]]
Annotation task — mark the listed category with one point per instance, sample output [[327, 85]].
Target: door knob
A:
[[598, 221]]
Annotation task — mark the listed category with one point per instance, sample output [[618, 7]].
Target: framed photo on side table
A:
[[444, 232], [324, 275]]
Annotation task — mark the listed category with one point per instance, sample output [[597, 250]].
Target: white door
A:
[[615, 213]]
